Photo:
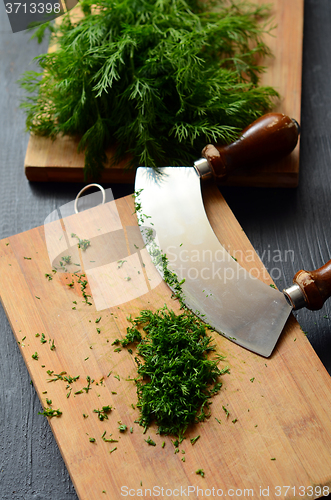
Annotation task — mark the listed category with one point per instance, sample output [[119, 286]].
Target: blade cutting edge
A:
[[216, 287]]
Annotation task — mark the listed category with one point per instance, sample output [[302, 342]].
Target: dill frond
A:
[[158, 78]]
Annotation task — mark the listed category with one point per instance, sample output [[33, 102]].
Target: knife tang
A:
[[311, 288], [269, 138]]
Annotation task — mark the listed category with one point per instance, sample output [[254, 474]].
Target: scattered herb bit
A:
[[218, 420], [98, 319], [183, 459], [27, 258], [252, 379], [120, 262], [103, 413], [194, 440], [114, 449], [98, 330], [234, 258], [174, 352], [273, 286], [227, 413], [37, 335], [273, 458], [122, 428], [62, 376], [49, 277], [37, 297], [201, 472], [48, 401], [35, 356], [118, 349], [110, 440], [150, 441], [92, 440], [83, 244], [117, 376], [52, 346], [49, 412], [234, 420], [84, 415], [88, 388], [43, 339]]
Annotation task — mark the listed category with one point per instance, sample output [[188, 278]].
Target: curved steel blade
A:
[[216, 287]]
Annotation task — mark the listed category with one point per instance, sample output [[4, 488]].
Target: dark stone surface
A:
[[293, 224]]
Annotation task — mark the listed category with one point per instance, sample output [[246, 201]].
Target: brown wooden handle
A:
[[315, 285], [270, 137]]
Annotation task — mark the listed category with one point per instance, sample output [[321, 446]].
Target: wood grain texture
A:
[[59, 161], [282, 404]]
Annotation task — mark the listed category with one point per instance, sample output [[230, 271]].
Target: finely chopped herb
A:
[[103, 413], [49, 412], [177, 379], [159, 79]]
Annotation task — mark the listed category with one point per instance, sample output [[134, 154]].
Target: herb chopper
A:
[[211, 283]]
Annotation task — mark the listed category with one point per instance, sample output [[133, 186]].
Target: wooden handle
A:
[[315, 285], [270, 137]]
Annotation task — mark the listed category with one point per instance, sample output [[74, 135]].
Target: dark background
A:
[[31, 467]]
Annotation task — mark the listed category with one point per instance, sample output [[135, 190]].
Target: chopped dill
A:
[[103, 413], [150, 441], [49, 412], [194, 440], [177, 379]]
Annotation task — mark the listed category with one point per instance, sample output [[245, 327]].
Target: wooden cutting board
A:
[[59, 161], [277, 437]]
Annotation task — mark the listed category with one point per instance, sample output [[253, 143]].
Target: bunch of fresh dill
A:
[[177, 379], [158, 78]]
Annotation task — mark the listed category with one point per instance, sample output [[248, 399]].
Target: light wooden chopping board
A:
[[278, 432], [59, 161]]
